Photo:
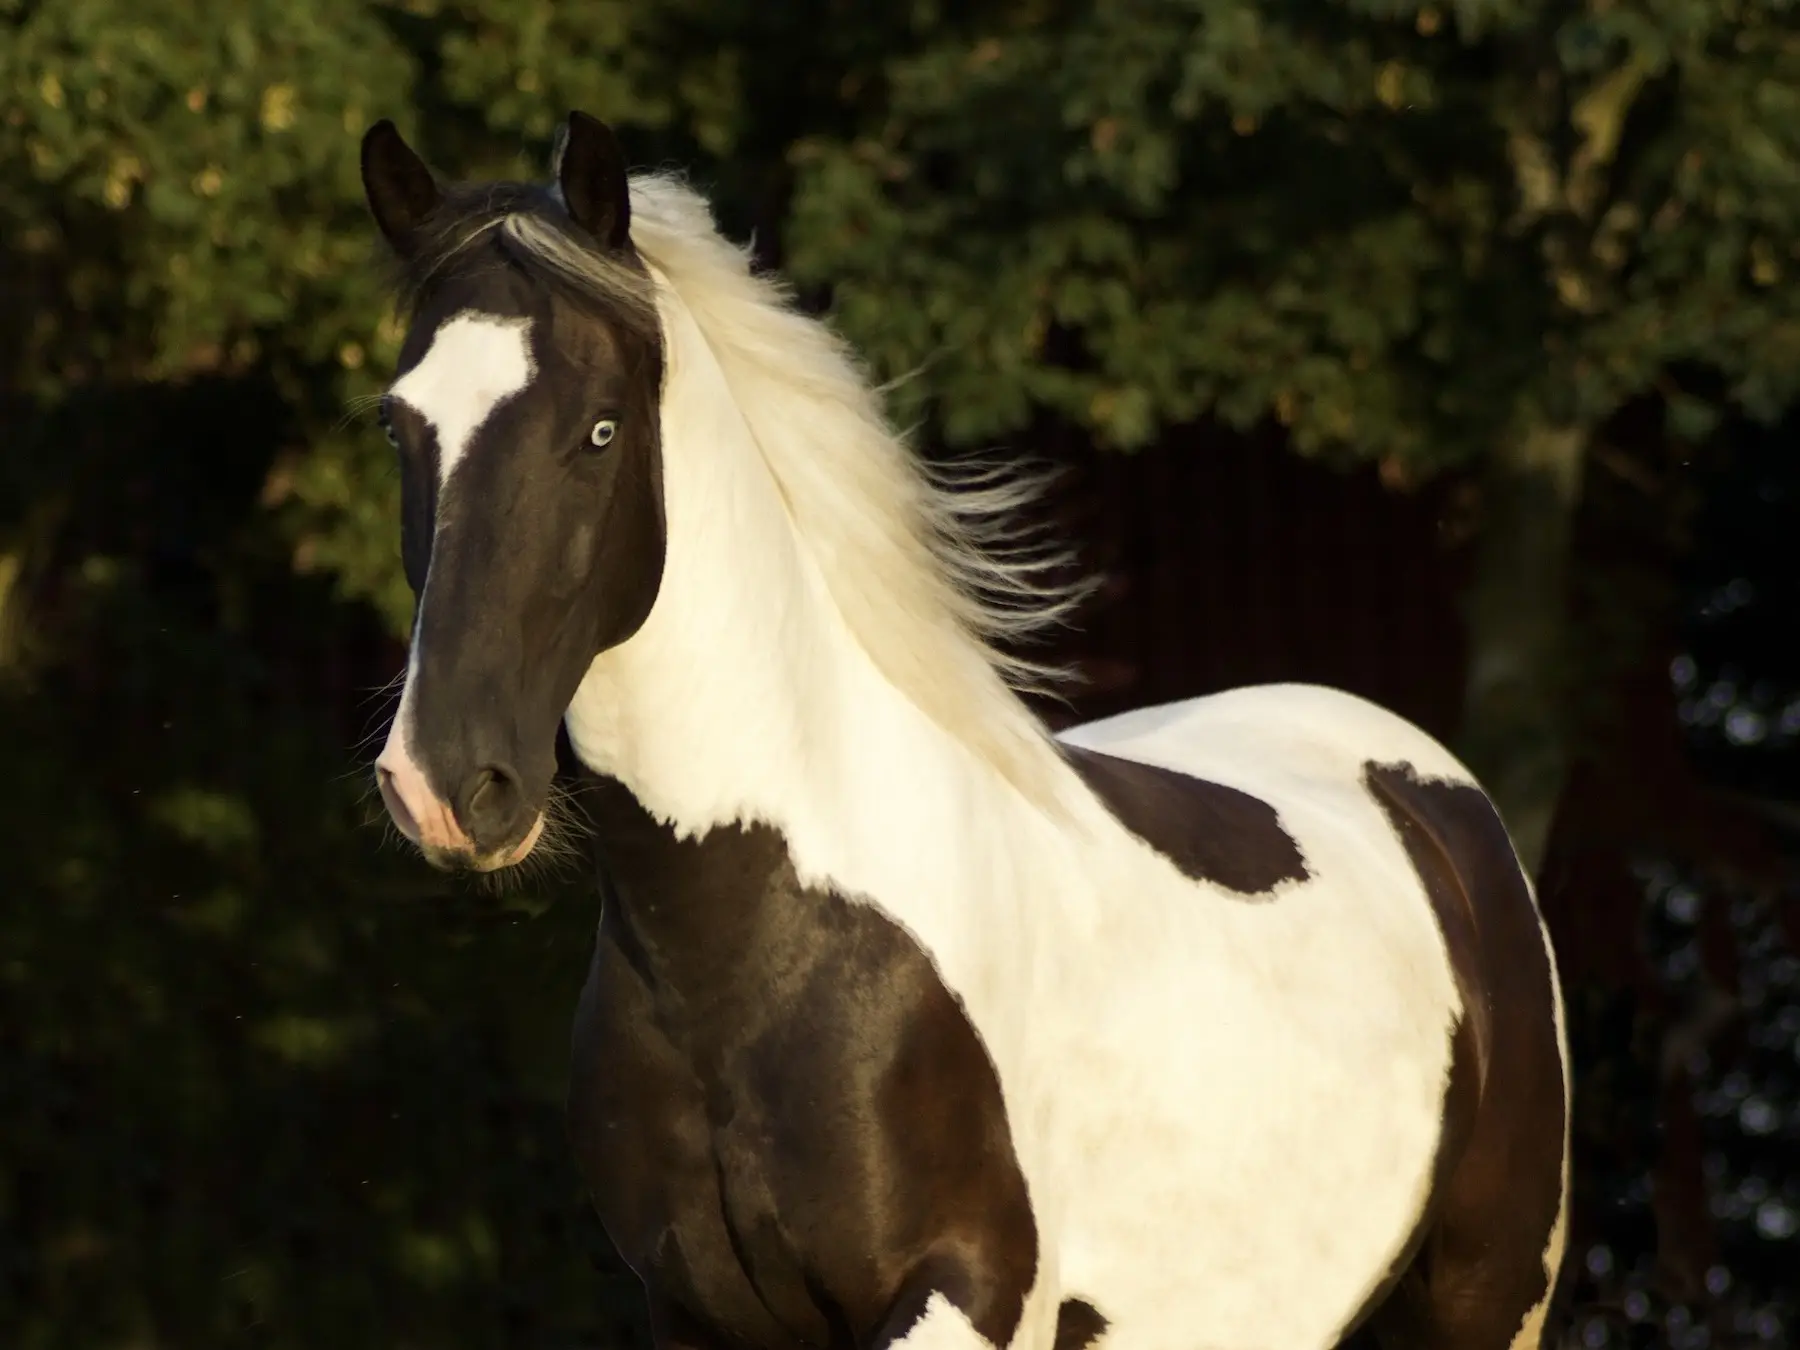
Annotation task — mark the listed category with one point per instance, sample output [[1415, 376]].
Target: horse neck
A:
[[745, 698], [689, 912]]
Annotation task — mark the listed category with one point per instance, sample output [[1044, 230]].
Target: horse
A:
[[911, 1025]]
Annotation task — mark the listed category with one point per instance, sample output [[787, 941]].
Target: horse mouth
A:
[[427, 821], [455, 859], [430, 826]]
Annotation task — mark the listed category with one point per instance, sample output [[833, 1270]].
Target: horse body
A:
[[1226, 1024], [1227, 1109], [1355, 1007]]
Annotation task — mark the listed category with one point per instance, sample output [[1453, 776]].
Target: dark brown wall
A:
[[1232, 561]]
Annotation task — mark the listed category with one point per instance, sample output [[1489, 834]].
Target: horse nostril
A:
[[493, 805]]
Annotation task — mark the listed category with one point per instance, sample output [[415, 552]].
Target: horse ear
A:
[[590, 169], [400, 189]]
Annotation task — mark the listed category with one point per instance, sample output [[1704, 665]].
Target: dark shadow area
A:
[[264, 1079]]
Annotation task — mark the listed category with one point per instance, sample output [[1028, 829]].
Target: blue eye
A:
[[604, 431]]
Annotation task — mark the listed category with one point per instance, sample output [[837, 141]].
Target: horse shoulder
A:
[[791, 1124]]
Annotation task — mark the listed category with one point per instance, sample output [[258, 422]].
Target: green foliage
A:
[[1389, 226], [185, 174], [180, 199]]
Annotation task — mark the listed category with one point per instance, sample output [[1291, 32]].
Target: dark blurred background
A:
[[1445, 352]]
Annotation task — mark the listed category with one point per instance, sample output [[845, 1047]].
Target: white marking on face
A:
[[474, 364]]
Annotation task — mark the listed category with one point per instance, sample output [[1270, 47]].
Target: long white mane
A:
[[929, 570]]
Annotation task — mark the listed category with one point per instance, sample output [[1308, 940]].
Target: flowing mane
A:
[[929, 568]]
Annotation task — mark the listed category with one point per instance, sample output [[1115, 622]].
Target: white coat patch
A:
[[475, 363]]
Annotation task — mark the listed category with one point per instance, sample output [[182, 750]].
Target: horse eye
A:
[[604, 431]]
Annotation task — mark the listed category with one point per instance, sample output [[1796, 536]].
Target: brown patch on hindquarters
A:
[[1479, 1270], [1210, 832]]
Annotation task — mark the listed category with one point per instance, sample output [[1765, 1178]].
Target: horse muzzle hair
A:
[[488, 823]]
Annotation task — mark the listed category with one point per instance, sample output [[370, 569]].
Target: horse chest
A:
[[784, 1116]]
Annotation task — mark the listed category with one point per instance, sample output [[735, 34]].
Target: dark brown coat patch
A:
[[791, 1130], [1210, 832], [1477, 1263], [1078, 1325]]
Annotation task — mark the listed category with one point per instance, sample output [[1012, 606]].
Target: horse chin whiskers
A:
[[556, 846], [453, 861], [562, 833], [461, 862]]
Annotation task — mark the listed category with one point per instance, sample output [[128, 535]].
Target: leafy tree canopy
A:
[[1384, 223], [1388, 225]]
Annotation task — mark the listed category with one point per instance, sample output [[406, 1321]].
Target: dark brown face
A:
[[525, 420]]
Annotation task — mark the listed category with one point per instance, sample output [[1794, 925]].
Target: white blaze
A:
[[474, 364]]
